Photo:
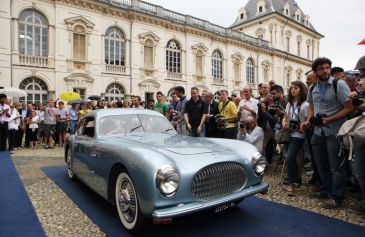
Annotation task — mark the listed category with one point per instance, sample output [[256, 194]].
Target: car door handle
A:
[[95, 153]]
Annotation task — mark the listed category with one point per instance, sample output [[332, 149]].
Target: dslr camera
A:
[[294, 125], [243, 125], [357, 101], [318, 120], [220, 122]]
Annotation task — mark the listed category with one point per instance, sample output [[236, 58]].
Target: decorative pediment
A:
[[149, 35], [200, 47], [78, 80], [237, 56], [79, 20], [149, 85]]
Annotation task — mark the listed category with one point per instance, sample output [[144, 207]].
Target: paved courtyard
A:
[[59, 216]]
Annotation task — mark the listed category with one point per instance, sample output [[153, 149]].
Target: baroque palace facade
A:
[[114, 48]]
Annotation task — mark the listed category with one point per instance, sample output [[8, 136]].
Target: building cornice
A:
[[106, 8]]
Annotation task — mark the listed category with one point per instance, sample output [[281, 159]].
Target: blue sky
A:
[[340, 21]]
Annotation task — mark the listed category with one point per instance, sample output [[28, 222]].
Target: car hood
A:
[[178, 144]]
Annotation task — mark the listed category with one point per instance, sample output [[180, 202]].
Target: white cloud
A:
[[338, 20]]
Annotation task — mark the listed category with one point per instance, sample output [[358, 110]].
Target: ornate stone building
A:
[[118, 47]]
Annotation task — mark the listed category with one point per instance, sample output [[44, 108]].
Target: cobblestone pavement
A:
[[59, 216]]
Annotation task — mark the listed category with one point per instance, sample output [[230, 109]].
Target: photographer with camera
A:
[[295, 113], [251, 133], [330, 104], [228, 114], [267, 122], [358, 100]]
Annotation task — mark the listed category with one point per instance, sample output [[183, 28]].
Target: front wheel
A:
[[127, 204]]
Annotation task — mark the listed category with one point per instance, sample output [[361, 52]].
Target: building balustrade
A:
[[116, 69], [152, 9], [174, 76], [33, 60]]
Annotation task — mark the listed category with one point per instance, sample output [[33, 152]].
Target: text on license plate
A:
[[224, 207]]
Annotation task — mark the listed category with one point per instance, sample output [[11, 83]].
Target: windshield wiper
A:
[[169, 129], [133, 129]]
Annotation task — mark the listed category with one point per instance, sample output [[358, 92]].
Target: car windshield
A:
[[133, 123]]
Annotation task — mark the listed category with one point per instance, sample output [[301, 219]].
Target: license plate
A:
[[224, 207]]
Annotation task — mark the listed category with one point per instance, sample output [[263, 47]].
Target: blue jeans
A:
[[193, 132], [360, 171], [331, 167], [292, 149], [73, 126]]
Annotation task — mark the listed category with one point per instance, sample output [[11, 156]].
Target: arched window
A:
[[36, 89], [173, 57], [250, 72], [33, 34], [114, 92], [217, 65], [114, 47]]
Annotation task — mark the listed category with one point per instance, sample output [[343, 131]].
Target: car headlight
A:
[[259, 163], [167, 180]]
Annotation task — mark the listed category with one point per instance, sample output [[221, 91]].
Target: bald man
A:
[[251, 133], [311, 79]]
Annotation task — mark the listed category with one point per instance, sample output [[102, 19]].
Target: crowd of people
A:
[[311, 112]]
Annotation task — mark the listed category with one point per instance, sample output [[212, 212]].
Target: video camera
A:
[[273, 109], [357, 101], [318, 120]]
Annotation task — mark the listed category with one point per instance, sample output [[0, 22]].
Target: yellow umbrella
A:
[[69, 95]]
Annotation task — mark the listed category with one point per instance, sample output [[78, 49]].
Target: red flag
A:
[[362, 42]]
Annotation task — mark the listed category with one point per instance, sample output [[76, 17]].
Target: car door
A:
[[84, 139]]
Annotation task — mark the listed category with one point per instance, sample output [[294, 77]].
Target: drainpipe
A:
[[11, 43], [130, 57]]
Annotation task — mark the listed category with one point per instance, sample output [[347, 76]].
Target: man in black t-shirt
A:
[[195, 112]]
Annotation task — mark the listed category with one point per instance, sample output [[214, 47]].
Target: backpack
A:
[[352, 134]]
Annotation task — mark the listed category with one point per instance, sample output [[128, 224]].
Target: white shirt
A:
[[256, 138], [13, 121], [252, 104], [35, 124], [294, 113], [3, 117]]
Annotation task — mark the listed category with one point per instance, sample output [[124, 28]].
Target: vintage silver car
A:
[[134, 159]]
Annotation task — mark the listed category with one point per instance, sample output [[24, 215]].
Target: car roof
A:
[[110, 112]]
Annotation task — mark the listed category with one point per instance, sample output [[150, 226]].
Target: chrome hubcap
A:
[[127, 200], [124, 201]]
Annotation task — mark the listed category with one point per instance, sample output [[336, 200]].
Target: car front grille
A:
[[218, 180]]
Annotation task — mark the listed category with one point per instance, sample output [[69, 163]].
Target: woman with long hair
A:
[[295, 114]]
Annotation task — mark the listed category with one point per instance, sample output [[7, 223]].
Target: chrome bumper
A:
[[184, 209]]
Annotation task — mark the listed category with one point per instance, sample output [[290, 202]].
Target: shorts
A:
[[49, 129], [62, 127]]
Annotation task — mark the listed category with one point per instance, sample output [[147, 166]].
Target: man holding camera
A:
[[228, 111], [327, 111], [251, 133]]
